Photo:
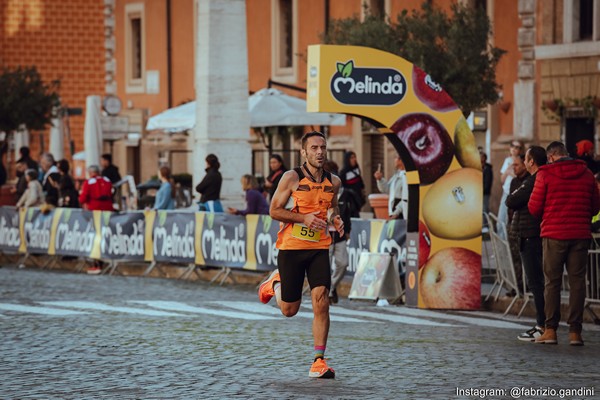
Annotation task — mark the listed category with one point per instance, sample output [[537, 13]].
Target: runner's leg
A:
[[320, 303], [291, 271], [319, 279]]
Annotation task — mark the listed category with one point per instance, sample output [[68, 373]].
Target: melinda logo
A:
[[368, 86]]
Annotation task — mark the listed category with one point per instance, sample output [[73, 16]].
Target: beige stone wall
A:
[[564, 79]]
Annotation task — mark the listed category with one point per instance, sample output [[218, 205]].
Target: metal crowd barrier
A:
[[592, 287], [505, 276], [160, 238]]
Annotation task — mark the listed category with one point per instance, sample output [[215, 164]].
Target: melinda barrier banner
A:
[[210, 239]]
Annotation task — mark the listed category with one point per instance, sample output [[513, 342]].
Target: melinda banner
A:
[[360, 242], [443, 166], [75, 233], [216, 240], [262, 235], [123, 236], [223, 240], [10, 234], [173, 237], [36, 231]]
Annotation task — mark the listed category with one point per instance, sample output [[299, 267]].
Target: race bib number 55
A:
[[301, 231]]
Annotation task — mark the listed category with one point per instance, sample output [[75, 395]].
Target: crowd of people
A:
[[549, 203]]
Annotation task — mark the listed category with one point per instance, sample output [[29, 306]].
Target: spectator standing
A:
[[96, 192], [585, 152], [255, 201], [48, 167], [52, 194], [565, 197], [527, 229], [165, 196], [488, 179], [109, 170], [21, 186], [397, 188], [67, 193], [352, 181], [210, 186], [25, 156], [338, 249], [506, 175], [277, 169], [513, 229], [34, 194]]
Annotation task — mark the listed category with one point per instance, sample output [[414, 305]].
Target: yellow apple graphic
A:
[[465, 146], [452, 206]]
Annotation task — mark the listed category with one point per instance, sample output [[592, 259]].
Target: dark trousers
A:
[[575, 254], [486, 208], [513, 243], [531, 258]]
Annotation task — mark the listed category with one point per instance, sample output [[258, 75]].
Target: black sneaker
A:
[[333, 297], [532, 334]]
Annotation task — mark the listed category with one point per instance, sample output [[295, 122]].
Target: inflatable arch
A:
[[431, 136]]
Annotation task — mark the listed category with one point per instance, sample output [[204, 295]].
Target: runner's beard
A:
[[318, 167]]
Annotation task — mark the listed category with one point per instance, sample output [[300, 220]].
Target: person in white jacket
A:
[[34, 194], [397, 188]]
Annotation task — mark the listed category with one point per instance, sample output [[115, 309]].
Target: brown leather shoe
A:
[[575, 339], [549, 337]]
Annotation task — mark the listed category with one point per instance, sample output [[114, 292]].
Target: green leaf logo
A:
[[210, 219], [67, 215], [266, 220], [105, 217], [345, 69], [390, 229], [162, 218]]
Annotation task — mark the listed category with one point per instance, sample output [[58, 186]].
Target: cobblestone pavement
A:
[[74, 336]]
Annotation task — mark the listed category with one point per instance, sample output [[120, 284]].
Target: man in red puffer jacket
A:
[[96, 192], [565, 197]]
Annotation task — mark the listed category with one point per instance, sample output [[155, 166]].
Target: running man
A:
[[303, 242]]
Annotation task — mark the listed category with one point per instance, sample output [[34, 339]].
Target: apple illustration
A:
[[452, 206], [424, 244], [467, 152], [430, 92], [451, 279], [427, 142]]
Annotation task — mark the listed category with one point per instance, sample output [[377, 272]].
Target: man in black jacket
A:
[[488, 179], [527, 228], [109, 170], [338, 250], [521, 174]]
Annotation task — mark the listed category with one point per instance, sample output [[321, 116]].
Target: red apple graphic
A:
[[451, 279], [430, 92], [427, 142], [424, 244]]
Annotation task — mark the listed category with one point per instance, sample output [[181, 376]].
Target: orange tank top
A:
[[309, 197]]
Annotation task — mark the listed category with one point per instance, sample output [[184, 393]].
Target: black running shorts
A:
[[293, 265]]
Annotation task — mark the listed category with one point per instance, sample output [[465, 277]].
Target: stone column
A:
[[524, 88], [222, 119]]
